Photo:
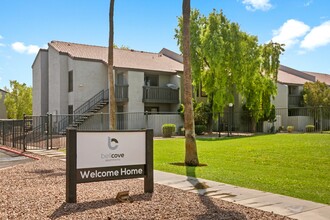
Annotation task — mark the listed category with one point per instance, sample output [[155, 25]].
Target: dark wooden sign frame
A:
[[72, 177]]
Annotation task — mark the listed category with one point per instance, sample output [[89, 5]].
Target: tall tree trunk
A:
[[191, 157], [112, 99]]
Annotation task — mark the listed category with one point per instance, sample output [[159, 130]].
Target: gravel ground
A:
[[36, 190]]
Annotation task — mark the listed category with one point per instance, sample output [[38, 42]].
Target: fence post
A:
[[13, 135], [47, 131], [146, 126], [50, 130], [24, 135], [321, 126], [3, 133]]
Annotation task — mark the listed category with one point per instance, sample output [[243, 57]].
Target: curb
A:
[[18, 152]]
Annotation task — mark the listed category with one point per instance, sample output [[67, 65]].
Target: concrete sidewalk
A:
[[279, 204]]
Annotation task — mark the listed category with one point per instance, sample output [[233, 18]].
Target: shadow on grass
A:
[[213, 210], [226, 138], [183, 164], [67, 209]]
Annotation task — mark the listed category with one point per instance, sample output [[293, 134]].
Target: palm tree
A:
[[112, 99], [191, 157]]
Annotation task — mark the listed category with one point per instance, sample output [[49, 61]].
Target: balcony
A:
[[296, 101], [155, 94], [121, 93]]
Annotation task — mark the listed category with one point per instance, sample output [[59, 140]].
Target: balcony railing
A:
[[155, 94], [296, 101], [121, 92]]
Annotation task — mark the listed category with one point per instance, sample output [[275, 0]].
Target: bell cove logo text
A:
[[104, 149], [113, 144], [112, 156]]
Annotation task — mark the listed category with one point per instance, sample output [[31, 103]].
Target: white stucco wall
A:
[[281, 104], [64, 82], [281, 99], [176, 80], [89, 78], [40, 84], [36, 84], [54, 81], [299, 122], [135, 91]]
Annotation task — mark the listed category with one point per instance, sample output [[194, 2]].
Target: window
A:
[[70, 112], [151, 80], [70, 109], [293, 90], [70, 81], [120, 79]]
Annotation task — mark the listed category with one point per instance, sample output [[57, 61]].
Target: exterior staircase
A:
[[83, 112]]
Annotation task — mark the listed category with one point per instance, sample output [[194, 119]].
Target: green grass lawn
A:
[[296, 165]]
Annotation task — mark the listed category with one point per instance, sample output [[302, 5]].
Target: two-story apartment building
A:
[[289, 97], [71, 78], [67, 75]]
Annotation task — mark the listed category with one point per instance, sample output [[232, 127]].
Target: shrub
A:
[[290, 128], [168, 130], [199, 129], [310, 128], [280, 129]]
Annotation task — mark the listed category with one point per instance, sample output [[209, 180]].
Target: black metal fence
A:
[[48, 132], [12, 133]]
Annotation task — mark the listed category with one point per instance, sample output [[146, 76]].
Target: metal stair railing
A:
[[102, 96], [89, 104]]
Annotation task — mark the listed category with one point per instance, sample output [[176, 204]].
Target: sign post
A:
[[108, 155]]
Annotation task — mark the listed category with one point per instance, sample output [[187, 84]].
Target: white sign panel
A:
[[107, 149]]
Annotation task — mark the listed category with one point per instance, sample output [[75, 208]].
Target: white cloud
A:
[[253, 5], [317, 37], [302, 52], [290, 32], [21, 48], [308, 3], [1, 44]]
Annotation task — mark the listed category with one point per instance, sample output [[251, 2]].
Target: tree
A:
[[316, 94], [191, 157], [124, 47], [18, 100], [227, 61], [112, 98]]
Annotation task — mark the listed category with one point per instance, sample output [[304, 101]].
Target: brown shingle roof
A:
[[123, 58], [286, 78], [288, 75], [322, 77]]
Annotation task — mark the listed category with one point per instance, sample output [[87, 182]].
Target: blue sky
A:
[[148, 25]]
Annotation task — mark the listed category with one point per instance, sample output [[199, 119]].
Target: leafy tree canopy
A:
[[316, 94], [226, 60], [18, 100]]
